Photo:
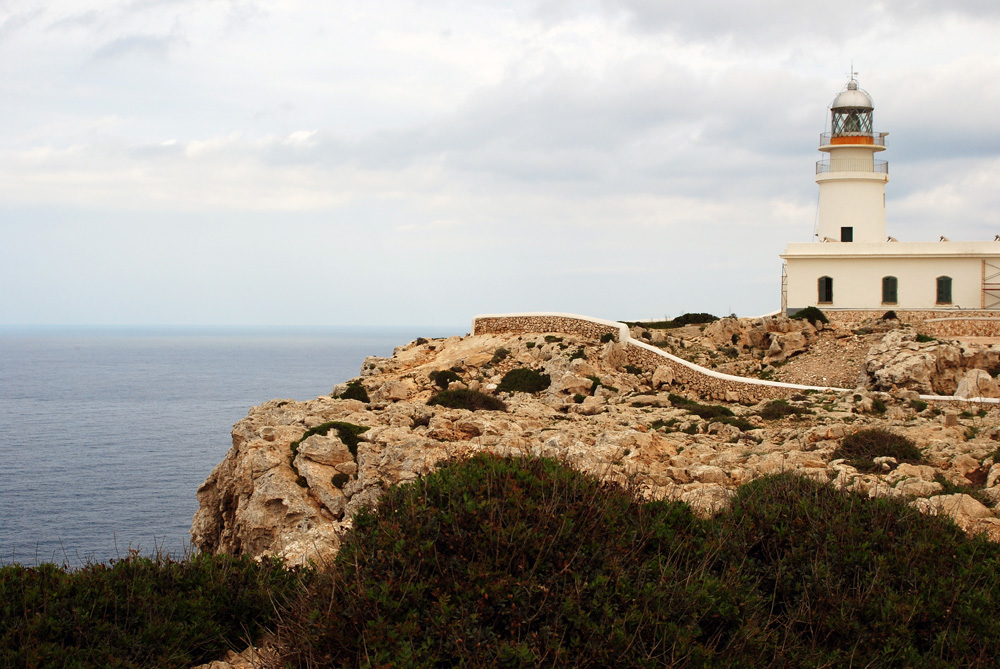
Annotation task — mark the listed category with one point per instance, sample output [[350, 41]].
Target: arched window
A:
[[825, 290], [944, 290], [889, 285]]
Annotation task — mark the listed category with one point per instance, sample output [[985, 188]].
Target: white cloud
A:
[[669, 144]]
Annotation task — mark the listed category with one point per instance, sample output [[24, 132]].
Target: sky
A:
[[380, 162]]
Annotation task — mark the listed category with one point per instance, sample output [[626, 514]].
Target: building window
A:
[[889, 284], [847, 234], [825, 290], [944, 290]]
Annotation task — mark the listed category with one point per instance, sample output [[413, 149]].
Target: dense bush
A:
[[521, 562], [710, 412], [355, 391], [499, 356], [502, 562], [473, 400], [780, 409], [524, 380], [680, 321], [139, 611], [442, 378], [811, 314], [863, 446], [348, 433], [853, 581]]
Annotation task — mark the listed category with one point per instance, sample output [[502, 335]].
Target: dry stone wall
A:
[[935, 322], [705, 383]]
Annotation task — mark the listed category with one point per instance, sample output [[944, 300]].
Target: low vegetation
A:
[[862, 447], [548, 566], [442, 378], [811, 314], [138, 611], [524, 380], [355, 391], [524, 562], [680, 321], [348, 433], [776, 409], [463, 398]]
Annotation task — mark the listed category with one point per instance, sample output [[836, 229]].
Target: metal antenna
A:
[[852, 74]]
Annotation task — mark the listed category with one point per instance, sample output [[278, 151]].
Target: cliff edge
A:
[[297, 471]]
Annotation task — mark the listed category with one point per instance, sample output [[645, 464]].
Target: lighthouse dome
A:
[[852, 97]]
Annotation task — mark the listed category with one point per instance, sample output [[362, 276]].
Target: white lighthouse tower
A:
[[859, 268], [851, 181]]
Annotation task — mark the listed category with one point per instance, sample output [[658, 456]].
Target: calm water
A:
[[106, 433]]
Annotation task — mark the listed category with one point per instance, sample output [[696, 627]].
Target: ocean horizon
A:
[[107, 431]]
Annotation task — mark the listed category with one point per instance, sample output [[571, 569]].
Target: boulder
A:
[[977, 383], [663, 376]]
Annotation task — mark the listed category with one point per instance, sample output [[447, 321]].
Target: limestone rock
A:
[[573, 385], [325, 450], [263, 500], [663, 376], [977, 383]]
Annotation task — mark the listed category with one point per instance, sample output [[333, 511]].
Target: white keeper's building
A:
[[852, 264]]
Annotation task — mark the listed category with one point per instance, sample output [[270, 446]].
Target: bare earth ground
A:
[[835, 359], [831, 361]]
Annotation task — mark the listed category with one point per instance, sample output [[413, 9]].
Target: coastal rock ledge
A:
[[298, 471]]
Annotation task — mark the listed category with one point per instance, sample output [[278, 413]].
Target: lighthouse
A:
[[851, 266], [851, 180]]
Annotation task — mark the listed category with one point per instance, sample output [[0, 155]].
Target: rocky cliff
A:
[[297, 471]]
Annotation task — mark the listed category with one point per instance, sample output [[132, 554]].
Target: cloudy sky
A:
[[386, 161]]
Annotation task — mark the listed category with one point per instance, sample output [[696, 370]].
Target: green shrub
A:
[[578, 353], [918, 405], [543, 565], [138, 611], [811, 314], [444, 377], [863, 446], [348, 433], [524, 380], [853, 581], [523, 562], [633, 369], [499, 355], [552, 338], [680, 321], [693, 319], [530, 344], [776, 409], [922, 338], [355, 391], [890, 316], [711, 412], [578, 398], [464, 398], [878, 406], [609, 336], [706, 411]]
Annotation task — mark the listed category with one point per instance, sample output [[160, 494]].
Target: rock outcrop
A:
[[933, 367], [298, 471]]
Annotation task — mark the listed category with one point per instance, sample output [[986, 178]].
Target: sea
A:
[[107, 432]]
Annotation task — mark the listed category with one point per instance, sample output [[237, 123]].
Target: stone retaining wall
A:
[[934, 322], [704, 382]]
